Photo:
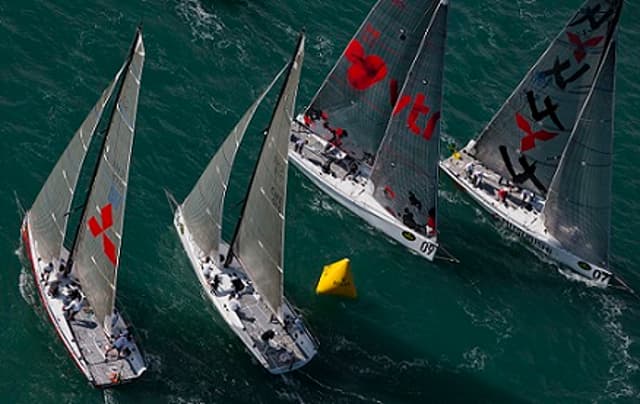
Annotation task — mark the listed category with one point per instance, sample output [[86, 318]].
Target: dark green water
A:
[[500, 327]]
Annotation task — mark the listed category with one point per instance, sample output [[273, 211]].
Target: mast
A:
[[72, 251], [230, 253]]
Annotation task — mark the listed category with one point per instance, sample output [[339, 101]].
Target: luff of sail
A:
[[578, 209], [97, 250], [359, 93], [525, 139], [202, 209], [50, 211], [259, 240], [405, 173]]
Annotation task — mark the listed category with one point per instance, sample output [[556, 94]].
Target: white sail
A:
[[202, 209], [525, 139], [259, 240], [97, 250], [578, 208], [50, 211], [405, 173]]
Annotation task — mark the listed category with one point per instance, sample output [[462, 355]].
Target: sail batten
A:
[[97, 249], [530, 131], [202, 209], [358, 95], [48, 217], [405, 173], [578, 209], [259, 240]]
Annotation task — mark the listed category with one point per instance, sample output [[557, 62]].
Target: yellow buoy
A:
[[336, 279], [457, 155]]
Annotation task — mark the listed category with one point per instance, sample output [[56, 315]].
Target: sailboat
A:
[[244, 278], [543, 165], [370, 137], [77, 286]]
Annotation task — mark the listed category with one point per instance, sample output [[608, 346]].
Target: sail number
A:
[[601, 276], [427, 247]]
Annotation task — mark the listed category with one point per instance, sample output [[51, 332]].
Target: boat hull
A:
[[526, 224], [100, 375], [303, 346], [358, 199]]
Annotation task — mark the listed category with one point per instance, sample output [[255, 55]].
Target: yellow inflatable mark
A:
[[336, 279], [457, 155]]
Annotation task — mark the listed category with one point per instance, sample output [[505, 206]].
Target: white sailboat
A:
[[543, 165], [370, 137], [78, 286], [244, 279]]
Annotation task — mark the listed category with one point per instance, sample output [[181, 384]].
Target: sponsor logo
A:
[[584, 265], [408, 235]]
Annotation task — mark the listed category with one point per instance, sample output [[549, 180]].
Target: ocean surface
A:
[[500, 327]]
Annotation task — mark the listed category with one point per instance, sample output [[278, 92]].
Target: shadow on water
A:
[[394, 372]]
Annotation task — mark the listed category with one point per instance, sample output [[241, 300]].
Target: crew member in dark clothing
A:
[[414, 201], [408, 220], [326, 167]]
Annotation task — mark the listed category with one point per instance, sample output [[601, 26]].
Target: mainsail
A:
[[405, 173], [259, 239], [525, 139], [202, 210], [578, 208], [49, 214], [361, 90], [99, 240]]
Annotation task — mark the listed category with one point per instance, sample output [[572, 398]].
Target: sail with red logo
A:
[[405, 173], [356, 99], [96, 249], [543, 164], [531, 130]]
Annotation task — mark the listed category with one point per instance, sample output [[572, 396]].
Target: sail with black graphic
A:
[[370, 138], [543, 164], [78, 286]]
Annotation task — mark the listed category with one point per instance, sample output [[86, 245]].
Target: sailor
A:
[[431, 222], [468, 169], [527, 197], [477, 178], [502, 195], [47, 270], [299, 145], [353, 170], [207, 266], [73, 308], [408, 220], [326, 167], [414, 201], [336, 138], [215, 283]]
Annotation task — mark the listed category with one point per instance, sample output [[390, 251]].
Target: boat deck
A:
[[280, 346], [83, 337], [354, 190], [484, 184]]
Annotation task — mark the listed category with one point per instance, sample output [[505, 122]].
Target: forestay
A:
[[259, 240], [405, 173], [578, 209], [525, 139], [202, 210], [100, 238], [49, 214], [361, 90]]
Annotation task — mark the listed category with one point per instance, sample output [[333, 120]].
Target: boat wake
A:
[[618, 343], [27, 288], [475, 359], [204, 25]]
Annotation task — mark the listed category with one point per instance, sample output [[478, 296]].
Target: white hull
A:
[[528, 224], [357, 197], [292, 347], [83, 337]]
